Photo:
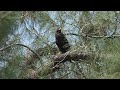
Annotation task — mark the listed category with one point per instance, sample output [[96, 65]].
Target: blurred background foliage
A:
[[94, 31]]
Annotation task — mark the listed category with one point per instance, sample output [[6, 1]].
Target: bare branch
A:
[[94, 36], [72, 34], [116, 24], [10, 46]]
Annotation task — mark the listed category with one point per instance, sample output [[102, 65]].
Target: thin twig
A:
[[93, 36], [61, 61]]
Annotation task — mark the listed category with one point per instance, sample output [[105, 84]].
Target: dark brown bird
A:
[[61, 41]]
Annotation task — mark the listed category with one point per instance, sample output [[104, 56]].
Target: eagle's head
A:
[[58, 31]]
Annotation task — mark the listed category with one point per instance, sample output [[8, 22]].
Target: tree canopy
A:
[[28, 49]]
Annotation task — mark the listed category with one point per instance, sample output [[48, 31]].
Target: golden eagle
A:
[[61, 41]]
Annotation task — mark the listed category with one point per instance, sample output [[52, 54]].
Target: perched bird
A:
[[61, 41]]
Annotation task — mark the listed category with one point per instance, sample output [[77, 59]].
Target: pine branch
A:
[[62, 58]]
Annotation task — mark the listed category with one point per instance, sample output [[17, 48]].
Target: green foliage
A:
[[7, 22], [12, 70]]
